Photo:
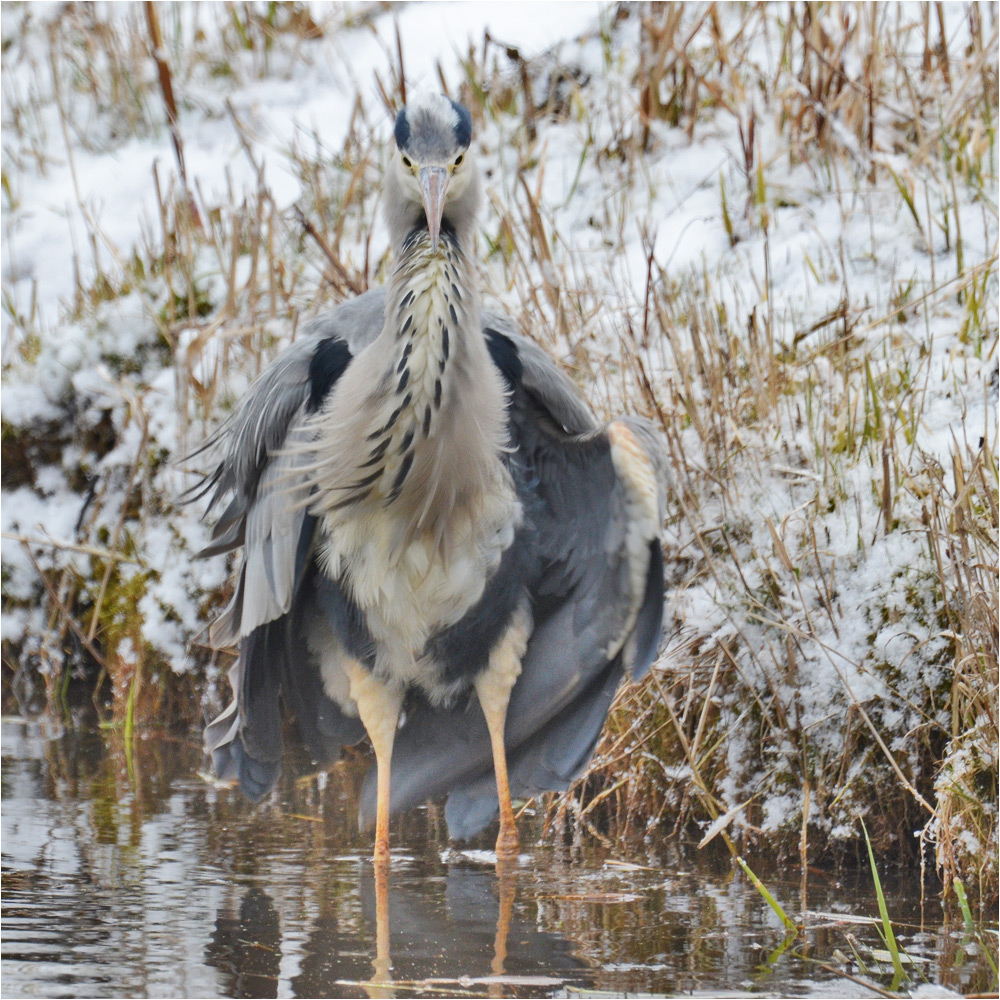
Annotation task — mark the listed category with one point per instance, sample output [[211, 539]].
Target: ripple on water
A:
[[133, 877]]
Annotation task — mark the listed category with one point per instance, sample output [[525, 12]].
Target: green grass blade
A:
[[890, 937], [771, 901], [907, 198], [963, 905], [727, 222], [970, 925]]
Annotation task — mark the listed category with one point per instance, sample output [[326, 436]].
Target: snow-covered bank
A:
[[778, 235]]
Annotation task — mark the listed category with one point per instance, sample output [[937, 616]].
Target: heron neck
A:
[[415, 432], [432, 321], [441, 375]]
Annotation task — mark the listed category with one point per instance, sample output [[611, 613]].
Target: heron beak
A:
[[433, 184]]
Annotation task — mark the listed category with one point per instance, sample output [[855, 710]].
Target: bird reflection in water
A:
[[247, 948], [425, 928], [471, 929]]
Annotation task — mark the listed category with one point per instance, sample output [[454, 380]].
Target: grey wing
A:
[[280, 629], [594, 504], [250, 438], [262, 476], [543, 379]]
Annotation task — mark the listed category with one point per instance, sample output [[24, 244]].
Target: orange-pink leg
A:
[[493, 689], [495, 710], [378, 707]]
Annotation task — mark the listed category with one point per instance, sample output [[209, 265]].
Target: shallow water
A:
[[128, 874]]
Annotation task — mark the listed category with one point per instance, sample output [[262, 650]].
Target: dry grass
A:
[[744, 406], [785, 428]]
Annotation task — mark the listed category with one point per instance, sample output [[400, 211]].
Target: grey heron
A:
[[442, 548]]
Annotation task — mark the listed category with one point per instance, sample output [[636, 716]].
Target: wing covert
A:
[[264, 474]]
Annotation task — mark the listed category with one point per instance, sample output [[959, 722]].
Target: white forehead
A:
[[427, 102]]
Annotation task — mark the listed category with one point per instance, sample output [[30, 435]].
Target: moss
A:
[[26, 448]]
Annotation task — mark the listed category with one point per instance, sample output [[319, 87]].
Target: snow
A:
[[109, 189]]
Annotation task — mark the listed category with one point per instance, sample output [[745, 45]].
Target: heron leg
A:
[[378, 707], [494, 703], [493, 688]]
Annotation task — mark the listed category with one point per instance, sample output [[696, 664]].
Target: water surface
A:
[[129, 874]]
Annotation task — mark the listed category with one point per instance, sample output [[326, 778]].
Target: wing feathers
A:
[[592, 567]]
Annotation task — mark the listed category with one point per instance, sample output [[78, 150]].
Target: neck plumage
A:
[[416, 426]]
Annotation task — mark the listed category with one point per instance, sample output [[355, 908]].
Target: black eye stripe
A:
[[402, 130], [463, 130]]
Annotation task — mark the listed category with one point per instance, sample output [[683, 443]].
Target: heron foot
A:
[[381, 854], [508, 843]]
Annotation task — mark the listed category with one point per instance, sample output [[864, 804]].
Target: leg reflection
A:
[[380, 984], [506, 890]]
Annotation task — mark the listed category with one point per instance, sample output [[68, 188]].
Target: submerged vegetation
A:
[[771, 228]]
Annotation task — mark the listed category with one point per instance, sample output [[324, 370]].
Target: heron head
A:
[[431, 164]]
